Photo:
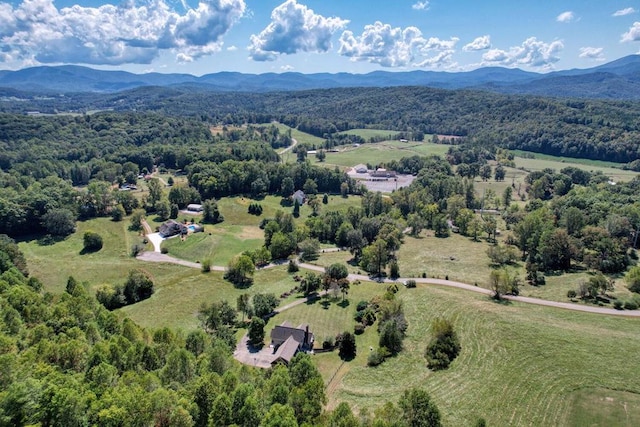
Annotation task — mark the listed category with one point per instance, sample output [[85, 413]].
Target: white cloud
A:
[[396, 47], [479, 43], [286, 68], [566, 17], [35, 30], [232, 48], [624, 12], [633, 35], [531, 53], [595, 53], [421, 5], [294, 28]]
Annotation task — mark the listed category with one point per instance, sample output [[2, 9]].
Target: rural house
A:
[[172, 228], [287, 341], [195, 207]]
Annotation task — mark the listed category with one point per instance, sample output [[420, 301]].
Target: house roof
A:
[[287, 350], [282, 333]]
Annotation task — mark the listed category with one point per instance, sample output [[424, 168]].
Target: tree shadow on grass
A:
[[49, 240], [344, 303], [86, 251], [312, 299], [500, 301], [325, 304]]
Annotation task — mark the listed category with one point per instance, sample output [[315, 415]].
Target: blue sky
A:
[[309, 36]]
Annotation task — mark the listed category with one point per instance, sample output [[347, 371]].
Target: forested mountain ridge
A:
[[594, 129], [615, 80]]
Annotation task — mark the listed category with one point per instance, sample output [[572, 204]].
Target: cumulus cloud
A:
[[286, 68], [633, 35], [624, 12], [294, 28], [566, 17], [35, 30], [396, 47], [595, 53], [421, 5], [531, 53], [479, 43]]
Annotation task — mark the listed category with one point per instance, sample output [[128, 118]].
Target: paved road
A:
[[159, 257]]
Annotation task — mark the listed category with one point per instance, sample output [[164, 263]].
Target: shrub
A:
[[410, 283], [424, 275], [206, 266], [92, 241], [293, 266], [443, 347], [571, 294], [630, 305], [362, 305], [327, 343], [137, 249], [358, 329], [377, 356], [618, 305], [164, 250]]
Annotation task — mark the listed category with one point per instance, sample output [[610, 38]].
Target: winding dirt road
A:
[[159, 257]]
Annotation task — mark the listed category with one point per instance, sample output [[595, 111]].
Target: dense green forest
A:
[[594, 129]]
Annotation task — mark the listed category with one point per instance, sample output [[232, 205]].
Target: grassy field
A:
[[370, 133], [383, 151], [54, 263], [558, 163], [240, 231], [519, 365], [175, 303], [456, 256], [586, 162]]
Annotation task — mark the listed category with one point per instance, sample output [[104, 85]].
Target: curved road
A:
[[159, 257]]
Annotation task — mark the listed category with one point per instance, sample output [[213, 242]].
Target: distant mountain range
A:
[[619, 79]]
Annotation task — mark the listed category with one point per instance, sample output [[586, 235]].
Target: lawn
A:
[[218, 244], [520, 364]]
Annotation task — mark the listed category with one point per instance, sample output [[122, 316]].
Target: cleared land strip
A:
[[158, 257]]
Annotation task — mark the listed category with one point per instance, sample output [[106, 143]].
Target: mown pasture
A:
[[519, 364]]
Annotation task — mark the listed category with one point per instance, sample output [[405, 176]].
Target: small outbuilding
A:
[[360, 168], [299, 196], [194, 207]]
